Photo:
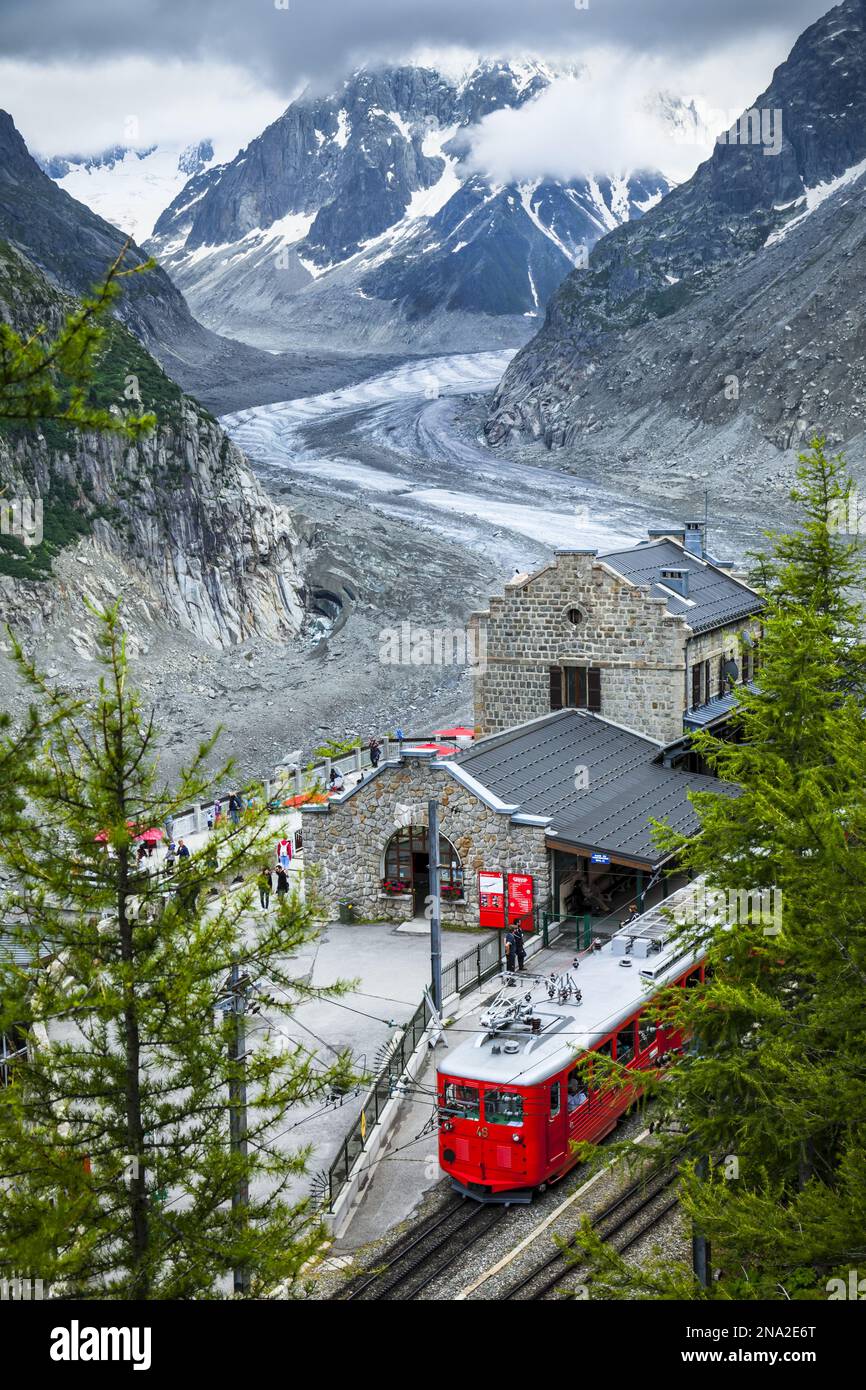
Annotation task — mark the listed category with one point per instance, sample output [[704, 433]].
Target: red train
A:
[[513, 1099]]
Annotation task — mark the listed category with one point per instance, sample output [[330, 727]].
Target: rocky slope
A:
[[727, 323], [176, 523], [359, 215]]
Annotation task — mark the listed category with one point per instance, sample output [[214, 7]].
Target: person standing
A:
[[519, 945], [282, 882], [510, 951], [375, 752], [169, 827], [235, 809], [266, 883], [182, 849]]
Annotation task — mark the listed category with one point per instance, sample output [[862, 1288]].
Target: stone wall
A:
[[346, 844], [623, 630]]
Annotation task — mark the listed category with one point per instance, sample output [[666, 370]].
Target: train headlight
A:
[[516, 1138]]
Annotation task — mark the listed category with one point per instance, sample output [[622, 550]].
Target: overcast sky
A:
[[79, 75]]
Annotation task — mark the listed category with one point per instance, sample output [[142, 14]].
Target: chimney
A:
[[676, 579], [694, 538]]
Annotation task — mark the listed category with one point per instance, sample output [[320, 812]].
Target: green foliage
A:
[[51, 381], [119, 1180], [772, 1091]]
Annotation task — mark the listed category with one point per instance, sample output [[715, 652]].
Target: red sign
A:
[[491, 899], [520, 899]]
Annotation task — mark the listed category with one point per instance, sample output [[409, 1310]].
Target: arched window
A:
[[408, 854]]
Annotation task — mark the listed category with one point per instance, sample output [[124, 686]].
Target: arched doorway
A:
[[407, 861]]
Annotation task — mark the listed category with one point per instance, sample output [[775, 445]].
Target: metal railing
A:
[[470, 970], [381, 1091]]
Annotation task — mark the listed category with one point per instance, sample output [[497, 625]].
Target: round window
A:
[[574, 615]]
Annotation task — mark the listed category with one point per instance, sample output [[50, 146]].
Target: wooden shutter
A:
[[723, 684], [593, 690], [696, 685], [556, 687]]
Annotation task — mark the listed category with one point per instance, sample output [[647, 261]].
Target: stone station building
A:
[[654, 637], [567, 799]]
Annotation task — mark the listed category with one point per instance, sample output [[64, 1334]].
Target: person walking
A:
[[266, 883], [182, 849], [282, 882]]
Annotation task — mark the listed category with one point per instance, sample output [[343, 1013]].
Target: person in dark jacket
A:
[[519, 946], [510, 952], [375, 751], [282, 882], [266, 883]]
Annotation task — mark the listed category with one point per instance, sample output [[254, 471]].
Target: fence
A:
[[375, 1101]]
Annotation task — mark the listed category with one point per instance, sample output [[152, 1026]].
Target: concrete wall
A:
[[623, 631], [346, 844]]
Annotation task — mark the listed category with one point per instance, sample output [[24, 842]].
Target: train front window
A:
[[503, 1108], [462, 1101]]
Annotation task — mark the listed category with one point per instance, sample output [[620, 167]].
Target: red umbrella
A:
[[152, 836], [459, 732]]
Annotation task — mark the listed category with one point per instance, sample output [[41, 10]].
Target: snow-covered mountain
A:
[[129, 187], [358, 218]]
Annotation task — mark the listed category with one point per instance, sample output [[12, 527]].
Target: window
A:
[[625, 1044], [461, 1101], [693, 979], [399, 862], [701, 689], [555, 1101], [503, 1108], [745, 662], [575, 617], [723, 678], [575, 687], [578, 1094], [646, 1034], [606, 1049]]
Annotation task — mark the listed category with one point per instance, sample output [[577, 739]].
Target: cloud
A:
[[281, 41], [621, 114], [138, 102], [73, 70]]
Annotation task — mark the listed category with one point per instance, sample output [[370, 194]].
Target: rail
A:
[[378, 1096]]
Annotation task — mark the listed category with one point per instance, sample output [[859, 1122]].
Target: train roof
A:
[[614, 982]]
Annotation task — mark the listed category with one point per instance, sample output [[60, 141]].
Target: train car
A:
[[513, 1100]]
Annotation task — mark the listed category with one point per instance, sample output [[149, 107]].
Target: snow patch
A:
[[817, 195]]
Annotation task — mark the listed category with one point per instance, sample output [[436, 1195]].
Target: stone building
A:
[[653, 637], [566, 800]]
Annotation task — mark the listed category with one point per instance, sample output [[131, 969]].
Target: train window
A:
[[625, 1044], [462, 1101], [503, 1108], [554, 1100], [606, 1049], [646, 1034], [577, 1092], [694, 979]]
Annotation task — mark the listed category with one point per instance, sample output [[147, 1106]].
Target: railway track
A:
[[412, 1263], [623, 1222]]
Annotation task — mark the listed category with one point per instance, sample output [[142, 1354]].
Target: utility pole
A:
[[435, 903], [700, 1244], [238, 1101]]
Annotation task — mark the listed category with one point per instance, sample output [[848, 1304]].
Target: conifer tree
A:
[[772, 1090], [117, 1174]]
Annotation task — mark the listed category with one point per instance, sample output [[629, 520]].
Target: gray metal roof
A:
[[534, 767], [714, 597], [705, 715]]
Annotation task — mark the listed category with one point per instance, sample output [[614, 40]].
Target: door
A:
[[420, 881], [557, 1127]]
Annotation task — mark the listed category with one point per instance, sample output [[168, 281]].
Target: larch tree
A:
[[770, 1096], [118, 1172]]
